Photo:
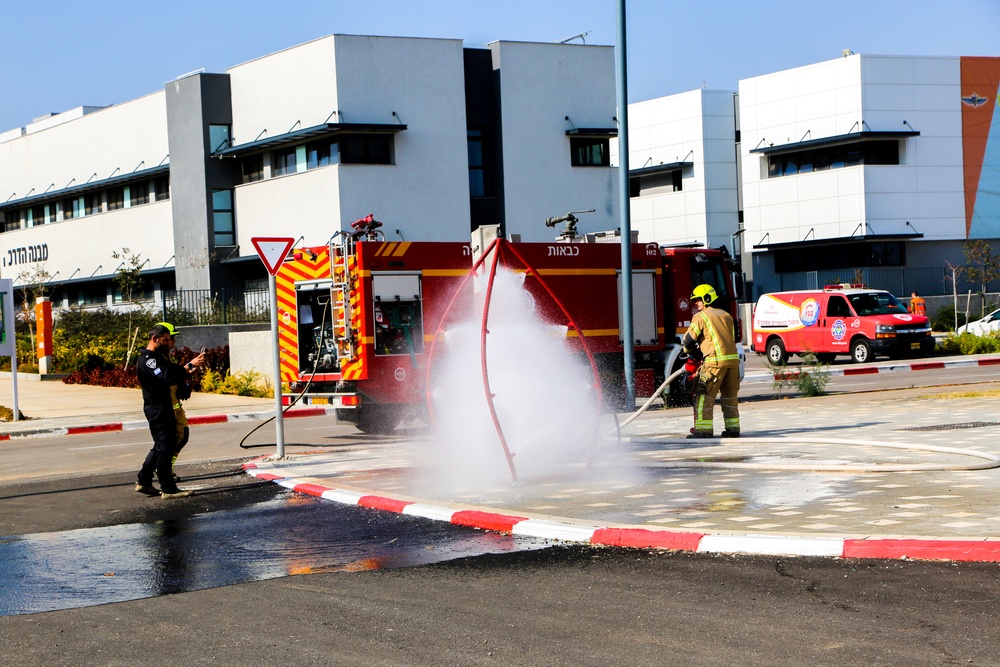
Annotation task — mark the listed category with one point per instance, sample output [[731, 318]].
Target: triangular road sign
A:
[[272, 251]]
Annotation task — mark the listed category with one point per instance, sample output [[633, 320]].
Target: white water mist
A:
[[543, 394]]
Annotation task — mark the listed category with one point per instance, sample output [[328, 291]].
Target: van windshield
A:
[[876, 303]]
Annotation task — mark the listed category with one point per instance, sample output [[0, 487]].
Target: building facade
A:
[[433, 138], [878, 167]]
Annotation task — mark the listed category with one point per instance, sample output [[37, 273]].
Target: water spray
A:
[[504, 254]]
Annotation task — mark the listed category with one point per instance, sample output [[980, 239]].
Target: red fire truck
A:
[[357, 317]]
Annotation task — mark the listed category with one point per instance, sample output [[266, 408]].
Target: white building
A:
[[878, 165], [432, 138], [682, 169]]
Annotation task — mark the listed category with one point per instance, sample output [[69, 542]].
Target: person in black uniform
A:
[[157, 374]]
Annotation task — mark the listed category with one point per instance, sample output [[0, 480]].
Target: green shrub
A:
[[244, 383], [970, 344]]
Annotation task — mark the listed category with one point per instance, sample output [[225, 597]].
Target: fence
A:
[[224, 306], [899, 281]]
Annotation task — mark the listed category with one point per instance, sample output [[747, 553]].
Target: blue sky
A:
[[62, 54]]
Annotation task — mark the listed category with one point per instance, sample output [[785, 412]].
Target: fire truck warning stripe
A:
[[574, 272], [444, 273], [589, 333]]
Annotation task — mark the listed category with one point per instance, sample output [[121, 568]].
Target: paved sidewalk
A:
[[899, 474]]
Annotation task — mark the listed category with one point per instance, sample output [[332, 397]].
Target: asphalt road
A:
[[572, 606]]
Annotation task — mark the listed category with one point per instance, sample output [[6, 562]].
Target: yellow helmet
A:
[[704, 293]]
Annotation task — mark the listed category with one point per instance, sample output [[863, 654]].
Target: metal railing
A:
[[223, 306]]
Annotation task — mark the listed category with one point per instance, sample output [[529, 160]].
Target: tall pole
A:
[[628, 340], [279, 426]]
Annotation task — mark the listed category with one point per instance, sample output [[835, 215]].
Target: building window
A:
[[161, 188], [116, 199], [321, 154], [95, 203], [479, 178], [142, 292], [882, 152], [11, 220], [223, 221], [589, 152], [284, 162], [218, 138], [366, 149], [253, 168], [655, 184], [74, 208], [139, 193], [92, 295]]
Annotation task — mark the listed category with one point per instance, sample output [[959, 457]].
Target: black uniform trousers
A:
[[163, 428]]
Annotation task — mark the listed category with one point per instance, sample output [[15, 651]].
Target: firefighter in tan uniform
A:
[[712, 337]]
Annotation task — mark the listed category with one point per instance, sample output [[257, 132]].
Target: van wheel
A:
[[861, 351], [776, 352]]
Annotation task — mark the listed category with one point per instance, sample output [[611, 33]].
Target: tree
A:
[[984, 265], [128, 280], [955, 271]]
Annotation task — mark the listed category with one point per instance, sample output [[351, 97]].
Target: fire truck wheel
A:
[[776, 352], [377, 419], [861, 351]]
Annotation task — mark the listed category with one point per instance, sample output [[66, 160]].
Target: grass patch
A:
[[991, 393]]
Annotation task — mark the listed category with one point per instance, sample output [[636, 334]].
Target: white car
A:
[[984, 327]]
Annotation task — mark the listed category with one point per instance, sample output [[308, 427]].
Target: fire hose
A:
[[295, 400], [689, 368]]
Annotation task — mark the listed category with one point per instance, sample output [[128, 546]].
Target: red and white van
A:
[[839, 319]]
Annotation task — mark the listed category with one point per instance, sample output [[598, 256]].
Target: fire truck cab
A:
[[839, 319]]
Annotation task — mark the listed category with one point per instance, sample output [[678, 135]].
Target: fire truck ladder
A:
[[341, 260]]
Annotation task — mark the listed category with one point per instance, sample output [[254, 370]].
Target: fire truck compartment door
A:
[[396, 286], [643, 306]]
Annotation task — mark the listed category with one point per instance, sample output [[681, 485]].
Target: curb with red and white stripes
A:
[[645, 538], [193, 420], [873, 370]]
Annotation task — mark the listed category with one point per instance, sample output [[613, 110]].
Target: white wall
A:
[[541, 84], [295, 205], [425, 194], [274, 92]]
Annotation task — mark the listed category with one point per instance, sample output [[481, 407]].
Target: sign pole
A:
[[279, 425], [272, 251]]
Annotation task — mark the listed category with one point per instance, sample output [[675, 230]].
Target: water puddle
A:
[[291, 534]]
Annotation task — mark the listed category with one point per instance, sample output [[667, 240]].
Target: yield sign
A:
[[272, 250]]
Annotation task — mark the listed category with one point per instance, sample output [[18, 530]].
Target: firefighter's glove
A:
[[184, 390]]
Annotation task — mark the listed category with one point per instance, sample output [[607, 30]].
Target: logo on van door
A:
[[839, 330], [809, 312]]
